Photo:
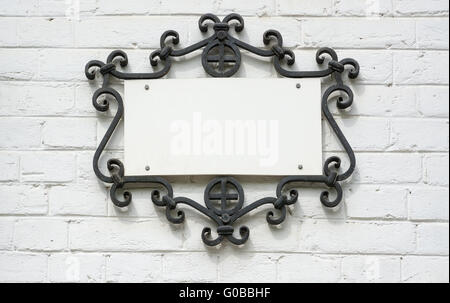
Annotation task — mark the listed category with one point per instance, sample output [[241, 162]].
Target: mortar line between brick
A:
[[70, 218], [117, 83], [379, 151], [47, 272], [401, 270], [295, 48], [343, 115], [67, 116], [104, 267], [374, 220], [87, 15], [222, 252], [423, 168]]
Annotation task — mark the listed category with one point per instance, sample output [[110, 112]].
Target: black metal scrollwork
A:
[[221, 57]]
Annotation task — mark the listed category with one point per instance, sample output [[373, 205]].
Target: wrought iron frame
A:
[[218, 63]]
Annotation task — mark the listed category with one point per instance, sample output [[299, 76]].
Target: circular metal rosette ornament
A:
[[225, 197], [221, 59]]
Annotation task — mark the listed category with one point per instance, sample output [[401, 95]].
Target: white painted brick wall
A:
[[57, 223]]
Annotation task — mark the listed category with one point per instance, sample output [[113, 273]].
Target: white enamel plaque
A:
[[223, 127]]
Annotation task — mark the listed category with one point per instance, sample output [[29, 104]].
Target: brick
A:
[[71, 9], [282, 238], [84, 268], [375, 65], [432, 33], [40, 234], [45, 32], [21, 267], [385, 101], [419, 135], [433, 101], [70, 133], [183, 267], [21, 133], [432, 238], [6, 233], [20, 7], [137, 7], [421, 8], [128, 32], [21, 98], [365, 269], [198, 7], [253, 69], [309, 206], [418, 269], [192, 227], [356, 237], [18, 64], [23, 199], [428, 203], [189, 68], [420, 67], [353, 127], [88, 200], [241, 268], [304, 8], [9, 167], [369, 201], [85, 169], [260, 8], [109, 235], [83, 100], [48, 167], [363, 8], [359, 33], [117, 140], [66, 64], [436, 169], [299, 268], [383, 168], [8, 32], [129, 268]]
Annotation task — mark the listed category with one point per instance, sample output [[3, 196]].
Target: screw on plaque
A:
[[147, 87]]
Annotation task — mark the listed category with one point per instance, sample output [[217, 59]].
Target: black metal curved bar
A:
[[251, 207], [252, 49], [221, 57], [192, 48], [326, 112], [245, 234], [104, 106], [206, 237], [200, 208], [142, 76]]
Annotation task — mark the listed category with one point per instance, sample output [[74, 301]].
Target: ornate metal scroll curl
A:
[[221, 57]]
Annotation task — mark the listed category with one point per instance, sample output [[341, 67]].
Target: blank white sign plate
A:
[[223, 127]]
